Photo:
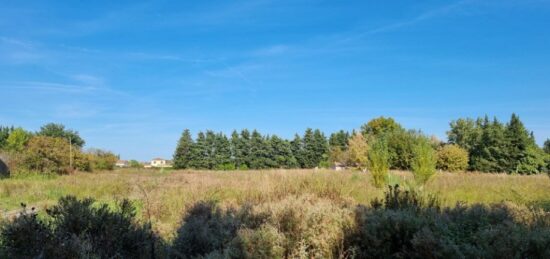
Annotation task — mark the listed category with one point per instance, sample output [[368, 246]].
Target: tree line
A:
[[476, 145], [52, 149], [250, 150]]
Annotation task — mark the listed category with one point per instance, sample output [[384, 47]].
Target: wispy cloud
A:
[[427, 15]]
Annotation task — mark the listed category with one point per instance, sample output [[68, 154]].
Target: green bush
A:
[[77, 229], [378, 164], [424, 162], [452, 158]]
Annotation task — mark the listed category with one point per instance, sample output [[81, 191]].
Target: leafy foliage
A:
[[380, 126], [378, 163], [47, 155], [17, 140], [452, 158], [58, 131], [424, 162]]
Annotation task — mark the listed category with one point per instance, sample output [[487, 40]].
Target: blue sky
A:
[[130, 76]]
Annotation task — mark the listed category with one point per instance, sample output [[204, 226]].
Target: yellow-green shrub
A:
[[452, 158]]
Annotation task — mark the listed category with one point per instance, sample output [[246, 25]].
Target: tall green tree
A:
[[297, 147], [199, 153], [321, 147], [315, 148], [519, 147], [489, 154], [282, 153], [243, 148], [259, 152], [182, 155], [58, 131], [222, 153]]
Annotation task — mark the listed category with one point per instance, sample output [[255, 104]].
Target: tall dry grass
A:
[[163, 197]]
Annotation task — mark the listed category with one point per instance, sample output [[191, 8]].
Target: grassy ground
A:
[[165, 196]]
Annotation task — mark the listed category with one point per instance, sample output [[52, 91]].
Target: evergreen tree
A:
[[339, 139], [309, 157], [210, 157], [222, 153], [488, 155], [182, 155], [244, 149], [259, 152], [282, 153], [321, 148], [518, 141], [236, 153], [199, 153], [297, 147]]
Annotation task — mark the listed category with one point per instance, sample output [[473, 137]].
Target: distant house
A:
[[122, 163], [160, 163]]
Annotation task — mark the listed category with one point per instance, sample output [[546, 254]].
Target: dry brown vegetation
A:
[[165, 196]]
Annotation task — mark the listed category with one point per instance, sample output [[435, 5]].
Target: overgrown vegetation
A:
[[52, 149], [482, 145], [403, 224], [77, 229]]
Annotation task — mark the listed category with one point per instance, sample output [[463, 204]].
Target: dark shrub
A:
[[403, 225], [205, 229], [24, 237], [78, 229]]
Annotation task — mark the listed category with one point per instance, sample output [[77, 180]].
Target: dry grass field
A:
[[164, 196]]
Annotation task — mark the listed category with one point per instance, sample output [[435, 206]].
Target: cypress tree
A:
[[339, 139], [259, 151], [321, 147], [182, 155], [282, 153], [222, 153], [199, 153], [236, 152], [309, 150], [518, 141], [210, 157], [488, 154], [297, 147], [244, 149]]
